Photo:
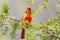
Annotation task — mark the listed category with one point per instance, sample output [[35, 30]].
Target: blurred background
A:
[[17, 9]]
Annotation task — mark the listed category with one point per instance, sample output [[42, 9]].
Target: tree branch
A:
[[53, 35]]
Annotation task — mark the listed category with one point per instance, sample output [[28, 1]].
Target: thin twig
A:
[[12, 18], [53, 35]]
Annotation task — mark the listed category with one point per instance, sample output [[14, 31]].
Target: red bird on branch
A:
[[26, 18]]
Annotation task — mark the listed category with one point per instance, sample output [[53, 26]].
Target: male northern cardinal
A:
[[26, 18]]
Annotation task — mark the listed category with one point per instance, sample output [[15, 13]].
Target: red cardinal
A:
[[26, 18]]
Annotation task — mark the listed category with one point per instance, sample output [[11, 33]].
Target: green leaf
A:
[[5, 8], [15, 25]]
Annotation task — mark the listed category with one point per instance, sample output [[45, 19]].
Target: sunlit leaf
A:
[[5, 8]]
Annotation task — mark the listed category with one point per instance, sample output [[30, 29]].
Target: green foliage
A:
[[58, 3], [45, 36], [5, 31], [2, 17], [29, 35], [3, 35], [40, 8], [1, 22], [5, 8], [53, 24], [42, 25], [14, 28], [4, 13]]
